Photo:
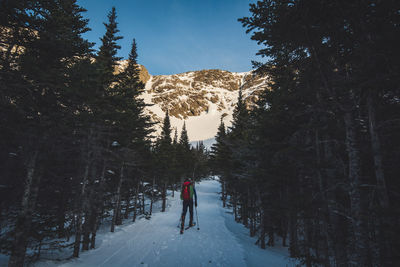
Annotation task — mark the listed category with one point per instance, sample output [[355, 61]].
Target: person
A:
[[187, 193]]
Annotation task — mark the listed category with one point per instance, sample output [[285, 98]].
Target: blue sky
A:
[[175, 36]]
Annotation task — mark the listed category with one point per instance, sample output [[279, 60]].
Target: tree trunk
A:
[[1, 214], [164, 197], [152, 196], [252, 217], [284, 231], [325, 221], [24, 220], [377, 152], [82, 203], [244, 207], [136, 202], [271, 235], [235, 206], [93, 236], [118, 199], [223, 193], [86, 232], [89, 211], [262, 226], [359, 254], [381, 189], [78, 224], [96, 222], [87, 227], [98, 207], [61, 215], [128, 201], [143, 204], [87, 238], [293, 238]]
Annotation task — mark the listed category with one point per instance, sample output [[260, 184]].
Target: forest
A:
[[314, 165], [77, 148]]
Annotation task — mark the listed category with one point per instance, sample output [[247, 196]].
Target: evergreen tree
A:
[[106, 59], [176, 165], [131, 126], [240, 117], [128, 113], [52, 46], [97, 129], [63, 116], [242, 161], [201, 160], [220, 160], [184, 139], [185, 155], [322, 57], [164, 150], [175, 141]]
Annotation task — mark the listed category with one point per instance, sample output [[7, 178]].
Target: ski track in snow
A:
[[157, 242]]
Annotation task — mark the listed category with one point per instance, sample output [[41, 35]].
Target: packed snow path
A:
[[157, 242]]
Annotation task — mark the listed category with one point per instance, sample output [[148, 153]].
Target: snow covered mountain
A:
[[200, 98]]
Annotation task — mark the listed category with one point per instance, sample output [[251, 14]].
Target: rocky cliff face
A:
[[201, 98], [192, 93]]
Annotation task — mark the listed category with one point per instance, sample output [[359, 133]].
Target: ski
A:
[[187, 227], [194, 224]]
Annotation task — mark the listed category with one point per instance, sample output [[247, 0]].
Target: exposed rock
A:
[[191, 93], [144, 75], [201, 98]]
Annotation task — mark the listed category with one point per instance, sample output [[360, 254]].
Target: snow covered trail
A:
[[157, 242]]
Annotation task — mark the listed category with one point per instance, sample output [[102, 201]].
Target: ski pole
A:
[[197, 218], [180, 218], [179, 223]]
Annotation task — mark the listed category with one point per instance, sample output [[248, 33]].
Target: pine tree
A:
[[238, 141], [240, 117], [97, 128], [131, 126], [218, 149], [106, 59], [52, 47], [165, 136], [220, 161], [322, 60], [164, 150], [185, 156], [175, 165], [175, 140], [184, 139], [201, 160], [129, 106]]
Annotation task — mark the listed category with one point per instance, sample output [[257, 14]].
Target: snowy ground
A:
[[157, 242]]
